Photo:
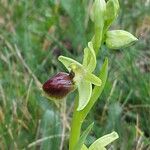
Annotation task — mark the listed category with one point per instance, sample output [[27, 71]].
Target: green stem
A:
[[97, 39], [75, 127]]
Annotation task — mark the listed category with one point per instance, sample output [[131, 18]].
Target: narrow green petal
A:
[[85, 91], [86, 57], [89, 60], [104, 141], [92, 63], [93, 79], [66, 61]]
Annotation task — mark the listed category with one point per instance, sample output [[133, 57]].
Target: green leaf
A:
[[104, 141], [103, 76], [93, 79], [112, 9], [67, 62], [117, 39], [85, 91], [81, 140], [104, 72]]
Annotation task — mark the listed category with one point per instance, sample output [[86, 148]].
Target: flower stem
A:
[[75, 127], [97, 39]]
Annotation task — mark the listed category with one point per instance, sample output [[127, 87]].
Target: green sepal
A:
[[66, 61], [117, 39], [85, 91], [93, 79], [89, 60]]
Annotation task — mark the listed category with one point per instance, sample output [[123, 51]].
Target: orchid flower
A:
[[83, 76]]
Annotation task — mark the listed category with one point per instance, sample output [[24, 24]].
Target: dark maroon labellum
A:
[[59, 85]]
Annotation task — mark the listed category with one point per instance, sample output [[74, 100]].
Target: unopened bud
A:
[[117, 39], [97, 12], [112, 8], [59, 85]]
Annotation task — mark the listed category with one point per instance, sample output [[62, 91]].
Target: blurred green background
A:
[[32, 35]]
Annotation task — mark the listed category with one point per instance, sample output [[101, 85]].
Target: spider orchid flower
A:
[[83, 77]]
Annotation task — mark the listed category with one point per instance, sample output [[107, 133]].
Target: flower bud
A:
[[112, 8], [98, 17], [59, 85], [97, 12], [117, 39]]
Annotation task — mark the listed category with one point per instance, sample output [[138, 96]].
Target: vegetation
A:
[[32, 35]]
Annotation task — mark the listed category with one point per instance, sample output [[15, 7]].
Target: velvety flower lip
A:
[[59, 85]]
